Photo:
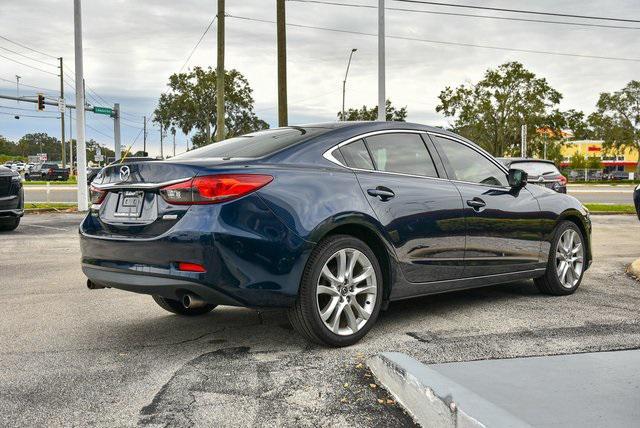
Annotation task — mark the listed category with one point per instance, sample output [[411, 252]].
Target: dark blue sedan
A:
[[332, 221]]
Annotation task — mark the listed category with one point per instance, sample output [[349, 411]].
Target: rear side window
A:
[[402, 153], [356, 155], [254, 145], [466, 164], [536, 168]]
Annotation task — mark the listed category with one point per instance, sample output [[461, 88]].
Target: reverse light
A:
[[190, 267], [96, 195], [213, 189]]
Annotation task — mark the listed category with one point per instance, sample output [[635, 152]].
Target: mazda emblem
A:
[[125, 173]]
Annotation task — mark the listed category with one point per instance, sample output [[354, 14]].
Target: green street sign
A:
[[103, 110]]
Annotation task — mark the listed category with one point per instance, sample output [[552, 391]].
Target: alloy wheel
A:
[[346, 291], [569, 258]]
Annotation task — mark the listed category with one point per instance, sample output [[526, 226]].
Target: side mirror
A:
[[517, 178]]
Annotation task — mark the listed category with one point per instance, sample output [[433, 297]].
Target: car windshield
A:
[[254, 145], [536, 168]]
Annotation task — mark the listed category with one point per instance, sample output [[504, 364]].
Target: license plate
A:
[[129, 204], [59, 176]]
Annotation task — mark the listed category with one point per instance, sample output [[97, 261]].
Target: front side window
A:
[[466, 164], [402, 152]]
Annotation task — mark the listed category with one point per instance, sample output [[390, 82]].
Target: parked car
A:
[[332, 221], [47, 172], [18, 166], [636, 199], [11, 199], [539, 171], [618, 175]]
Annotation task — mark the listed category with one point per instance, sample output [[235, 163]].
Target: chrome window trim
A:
[[125, 185], [328, 156], [480, 151]]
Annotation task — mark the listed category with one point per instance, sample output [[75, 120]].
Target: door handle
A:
[[381, 192], [476, 203]]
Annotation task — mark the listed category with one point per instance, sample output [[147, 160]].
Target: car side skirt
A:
[[410, 290]]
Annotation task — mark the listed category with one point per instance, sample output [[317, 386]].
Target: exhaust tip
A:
[[191, 301]]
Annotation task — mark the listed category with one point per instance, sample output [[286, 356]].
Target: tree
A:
[[593, 162], [577, 161], [617, 120], [40, 142], [365, 113], [191, 104], [576, 122], [492, 111]]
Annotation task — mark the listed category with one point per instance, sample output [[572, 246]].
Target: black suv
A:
[[11, 199]]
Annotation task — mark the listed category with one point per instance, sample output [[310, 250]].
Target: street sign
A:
[[43, 157], [98, 158], [61, 105], [103, 110]]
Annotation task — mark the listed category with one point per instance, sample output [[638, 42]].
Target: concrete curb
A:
[[634, 269], [430, 398]]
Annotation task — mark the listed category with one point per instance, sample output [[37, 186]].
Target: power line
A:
[[28, 57], [468, 15], [28, 65], [17, 108], [29, 86], [98, 131], [197, 44], [27, 47], [442, 42], [530, 12]]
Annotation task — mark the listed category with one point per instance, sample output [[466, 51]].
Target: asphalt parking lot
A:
[[71, 356]]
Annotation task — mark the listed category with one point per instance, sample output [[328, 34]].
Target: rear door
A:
[[421, 212], [504, 230]]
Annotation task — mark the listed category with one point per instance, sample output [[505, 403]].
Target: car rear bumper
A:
[[251, 258], [12, 205]]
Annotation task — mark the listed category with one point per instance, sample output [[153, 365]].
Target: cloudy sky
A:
[[132, 46]]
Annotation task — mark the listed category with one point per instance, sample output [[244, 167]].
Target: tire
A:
[[338, 298], [552, 281], [176, 307], [9, 223]]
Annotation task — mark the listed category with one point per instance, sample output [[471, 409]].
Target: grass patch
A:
[[50, 206], [53, 183], [611, 208]]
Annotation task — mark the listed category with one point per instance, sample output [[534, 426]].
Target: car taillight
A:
[[96, 195], [190, 267], [213, 189], [563, 180]]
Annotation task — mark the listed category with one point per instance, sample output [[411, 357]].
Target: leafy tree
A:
[[617, 120], [593, 162], [492, 111], [40, 142], [577, 123], [366, 113], [577, 161], [191, 104]]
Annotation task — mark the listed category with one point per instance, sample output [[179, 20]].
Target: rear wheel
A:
[[8, 224], [178, 307], [566, 263], [340, 292]]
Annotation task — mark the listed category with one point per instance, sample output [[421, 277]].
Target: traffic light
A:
[[40, 102]]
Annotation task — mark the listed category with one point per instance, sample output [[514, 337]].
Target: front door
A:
[[504, 230], [421, 212]]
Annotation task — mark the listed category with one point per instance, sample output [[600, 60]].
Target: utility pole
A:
[[173, 131], [116, 129], [382, 106], [70, 142], [64, 145], [18, 89], [281, 24], [81, 151], [344, 82], [144, 135], [523, 141], [220, 75], [161, 148]]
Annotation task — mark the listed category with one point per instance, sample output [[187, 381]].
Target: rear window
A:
[[254, 145], [536, 168]]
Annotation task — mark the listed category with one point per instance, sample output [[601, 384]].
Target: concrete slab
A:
[[579, 390]]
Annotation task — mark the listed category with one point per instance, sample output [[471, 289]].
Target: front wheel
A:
[[178, 307], [8, 224], [566, 263], [340, 292]]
